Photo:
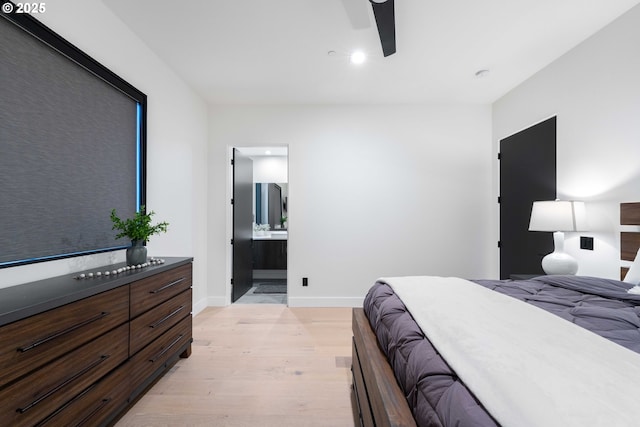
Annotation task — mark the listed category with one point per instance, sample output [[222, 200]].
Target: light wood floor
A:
[[257, 365]]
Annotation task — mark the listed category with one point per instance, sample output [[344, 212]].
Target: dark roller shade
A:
[[69, 153]]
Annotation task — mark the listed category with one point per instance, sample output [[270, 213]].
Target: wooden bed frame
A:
[[629, 240], [377, 399]]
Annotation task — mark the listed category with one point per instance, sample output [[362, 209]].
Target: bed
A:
[[402, 380]]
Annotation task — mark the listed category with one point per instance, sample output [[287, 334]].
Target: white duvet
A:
[[527, 367]]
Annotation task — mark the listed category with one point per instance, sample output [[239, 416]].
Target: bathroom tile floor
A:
[[251, 298]]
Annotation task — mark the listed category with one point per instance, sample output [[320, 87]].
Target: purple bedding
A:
[[434, 393]]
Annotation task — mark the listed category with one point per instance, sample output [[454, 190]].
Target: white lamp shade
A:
[[557, 215]]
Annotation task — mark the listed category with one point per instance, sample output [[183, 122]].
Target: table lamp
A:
[[558, 216]]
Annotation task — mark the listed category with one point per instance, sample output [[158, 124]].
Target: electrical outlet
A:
[[305, 281], [586, 243]]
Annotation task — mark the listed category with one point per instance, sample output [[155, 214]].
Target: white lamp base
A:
[[558, 261]]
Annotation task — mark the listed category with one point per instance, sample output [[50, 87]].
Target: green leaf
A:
[[139, 227]]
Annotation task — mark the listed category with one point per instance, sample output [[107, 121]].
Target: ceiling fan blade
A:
[[357, 13], [385, 20]]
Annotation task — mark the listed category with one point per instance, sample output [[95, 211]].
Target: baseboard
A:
[[198, 306], [217, 301], [209, 302], [325, 301]]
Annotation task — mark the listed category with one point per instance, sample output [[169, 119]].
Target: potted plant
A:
[[138, 229]]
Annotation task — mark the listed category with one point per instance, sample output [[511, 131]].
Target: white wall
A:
[[373, 191], [270, 169], [595, 92], [177, 141]]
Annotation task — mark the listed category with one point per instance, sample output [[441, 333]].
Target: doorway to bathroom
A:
[[260, 232]]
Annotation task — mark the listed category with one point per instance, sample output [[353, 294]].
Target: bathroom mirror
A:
[[271, 203]]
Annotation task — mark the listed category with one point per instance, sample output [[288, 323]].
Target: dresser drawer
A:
[[155, 355], [34, 398], [150, 325], [97, 405], [149, 292], [30, 343]]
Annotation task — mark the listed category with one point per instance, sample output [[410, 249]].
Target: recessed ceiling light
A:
[[358, 57], [482, 73], [267, 152]]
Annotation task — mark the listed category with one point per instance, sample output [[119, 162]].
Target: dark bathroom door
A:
[[242, 258], [527, 173]]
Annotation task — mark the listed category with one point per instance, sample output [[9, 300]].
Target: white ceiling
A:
[[275, 51], [264, 151]]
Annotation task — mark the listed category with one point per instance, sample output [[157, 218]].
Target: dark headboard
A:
[[629, 240]]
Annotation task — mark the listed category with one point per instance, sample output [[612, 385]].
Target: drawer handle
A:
[[159, 355], [167, 317], [168, 285], [65, 406], [61, 333], [83, 421], [63, 384]]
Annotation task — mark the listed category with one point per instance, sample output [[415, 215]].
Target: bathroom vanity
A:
[[270, 250]]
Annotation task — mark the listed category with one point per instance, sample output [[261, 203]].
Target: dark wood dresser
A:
[[79, 352]]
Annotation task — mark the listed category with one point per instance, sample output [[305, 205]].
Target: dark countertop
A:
[[21, 301]]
